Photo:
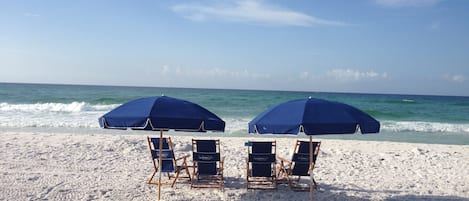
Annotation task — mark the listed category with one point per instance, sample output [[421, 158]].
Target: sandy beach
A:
[[40, 166]]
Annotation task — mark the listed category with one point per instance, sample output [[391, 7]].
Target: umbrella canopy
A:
[[162, 113], [313, 117]]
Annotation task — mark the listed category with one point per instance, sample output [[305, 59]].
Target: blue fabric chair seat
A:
[[169, 164], [261, 165], [208, 164], [299, 165]]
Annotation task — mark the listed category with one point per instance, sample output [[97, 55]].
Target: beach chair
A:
[[170, 166], [261, 165], [207, 164], [299, 166]]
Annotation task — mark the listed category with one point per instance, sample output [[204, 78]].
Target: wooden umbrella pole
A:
[[311, 167], [160, 163]]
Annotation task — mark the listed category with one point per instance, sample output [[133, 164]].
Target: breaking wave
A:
[[54, 115], [85, 115], [421, 126], [54, 107]]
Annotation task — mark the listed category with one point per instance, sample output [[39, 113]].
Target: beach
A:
[[383, 84], [70, 166]]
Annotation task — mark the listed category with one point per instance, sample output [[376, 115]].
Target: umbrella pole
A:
[[311, 167], [160, 164]]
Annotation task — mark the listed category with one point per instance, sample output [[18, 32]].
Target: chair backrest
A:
[[301, 158], [206, 153], [167, 155], [262, 158]]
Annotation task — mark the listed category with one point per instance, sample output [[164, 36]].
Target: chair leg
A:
[[151, 178], [289, 183], [175, 178], [221, 182], [188, 173], [274, 179], [247, 175], [282, 174], [193, 177]]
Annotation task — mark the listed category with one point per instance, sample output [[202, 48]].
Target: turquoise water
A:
[[75, 109]]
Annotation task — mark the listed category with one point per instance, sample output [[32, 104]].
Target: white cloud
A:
[[250, 12], [31, 15], [165, 70], [350, 75], [210, 73], [305, 75], [435, 26], [455, 78], [407, 3]]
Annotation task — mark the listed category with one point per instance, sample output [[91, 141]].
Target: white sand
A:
[[114, 167]]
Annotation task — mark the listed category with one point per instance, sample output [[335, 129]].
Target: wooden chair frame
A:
[[286, 167], [174, 176], [261, 182], [207, 181]]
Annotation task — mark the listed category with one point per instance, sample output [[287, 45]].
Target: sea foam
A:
[[54, 115], [421, 126], [54, 107], [85, 115]]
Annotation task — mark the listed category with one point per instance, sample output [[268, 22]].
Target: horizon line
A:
[[235, 89]]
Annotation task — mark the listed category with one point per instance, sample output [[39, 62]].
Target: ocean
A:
[[76, 109]]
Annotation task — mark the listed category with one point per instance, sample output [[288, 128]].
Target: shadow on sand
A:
[[327, 192]]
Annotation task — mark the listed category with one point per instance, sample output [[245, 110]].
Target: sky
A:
[[360, 46]]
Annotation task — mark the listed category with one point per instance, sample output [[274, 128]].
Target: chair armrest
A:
[[283, 168], [183, 157], [222, 161], [285, 164], [284, 160]]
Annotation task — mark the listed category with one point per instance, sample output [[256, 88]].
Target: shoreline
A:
[[66, 166], [407, 137]]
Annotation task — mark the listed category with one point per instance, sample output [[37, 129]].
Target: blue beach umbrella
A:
[[313, 117], [161, 113]]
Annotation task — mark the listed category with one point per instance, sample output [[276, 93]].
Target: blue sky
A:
[[374, 46]]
